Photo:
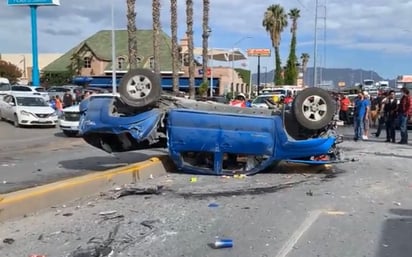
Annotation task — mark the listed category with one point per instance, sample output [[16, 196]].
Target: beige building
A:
[[24, 62]]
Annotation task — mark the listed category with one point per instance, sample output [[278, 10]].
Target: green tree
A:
[[275, 20], [191, 59], [156, 35], [202, 91], [291, 72], [205, 38], [244, 74], [10, 71], [131, 34], [175, 46], [76, 64], [304, 58]]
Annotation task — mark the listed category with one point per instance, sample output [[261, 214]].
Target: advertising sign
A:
[[255, 52], [33, 2]]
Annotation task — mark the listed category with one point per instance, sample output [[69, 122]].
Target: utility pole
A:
[[315, 45], [315, 50]]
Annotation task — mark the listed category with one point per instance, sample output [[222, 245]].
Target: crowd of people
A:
[[384, 109], [57, 103]]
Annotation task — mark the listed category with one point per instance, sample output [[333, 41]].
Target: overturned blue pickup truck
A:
[[208, 137]]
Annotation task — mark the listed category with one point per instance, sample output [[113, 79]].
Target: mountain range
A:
[[331, 76]]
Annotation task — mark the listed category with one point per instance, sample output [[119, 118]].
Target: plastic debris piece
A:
[[223, 243], [213, 205], [104, 213], [193, 180]]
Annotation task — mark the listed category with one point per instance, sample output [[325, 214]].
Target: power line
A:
[[303, 6]]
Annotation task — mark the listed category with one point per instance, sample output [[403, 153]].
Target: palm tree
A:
[[156, 35], [131, 34], [305, 60], [275, 21], [291, 73], [189, 23], [175, 45], [205, 37]]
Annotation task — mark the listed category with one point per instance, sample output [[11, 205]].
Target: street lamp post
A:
[[266, 71], [233, 56], [209, 31], [114, 82]]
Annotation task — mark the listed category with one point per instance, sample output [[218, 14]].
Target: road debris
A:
[[110, 215], [213, 205], [309, 193], [137, 190], [222, 243], [105, 213], [8, 241], [193, 180], [397, 203], [100, 248]]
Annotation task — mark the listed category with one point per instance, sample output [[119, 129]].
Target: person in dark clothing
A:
[[390, 116], [403, 110], [381, 99], [67, 99]]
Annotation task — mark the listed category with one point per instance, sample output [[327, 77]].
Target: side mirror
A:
[[12, 104]]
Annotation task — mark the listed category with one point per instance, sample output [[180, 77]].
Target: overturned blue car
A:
[[208, 137]]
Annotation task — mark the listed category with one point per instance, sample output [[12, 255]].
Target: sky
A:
[[367, 34]]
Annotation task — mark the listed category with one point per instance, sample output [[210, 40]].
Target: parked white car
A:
[[69, 121], [9, 89], [27, 109]]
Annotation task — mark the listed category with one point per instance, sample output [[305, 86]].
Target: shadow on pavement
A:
[[396, 235], [61, 134], [102, 163]]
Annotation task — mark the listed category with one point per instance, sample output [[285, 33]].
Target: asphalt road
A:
[[34, 156], [355, 209]]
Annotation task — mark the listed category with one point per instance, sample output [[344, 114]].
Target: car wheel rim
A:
[[139, 87], [314, 108]]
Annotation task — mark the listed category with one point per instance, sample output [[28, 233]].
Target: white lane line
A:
[[307, 223]]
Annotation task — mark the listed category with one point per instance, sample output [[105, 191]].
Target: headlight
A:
[[25, 113]]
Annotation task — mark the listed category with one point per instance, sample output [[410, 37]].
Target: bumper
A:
[[34, 120], [39, 122], [69, 125]]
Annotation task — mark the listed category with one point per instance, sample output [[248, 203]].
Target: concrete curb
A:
[[34, 199]]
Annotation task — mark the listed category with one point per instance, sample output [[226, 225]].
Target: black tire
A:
[[313, 108], [69, 133], [144, 94]]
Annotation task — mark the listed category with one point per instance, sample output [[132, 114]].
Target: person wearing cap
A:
[[239, 101]]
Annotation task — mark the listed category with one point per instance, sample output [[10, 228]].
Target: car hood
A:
[[74, 108], [36, 109]]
